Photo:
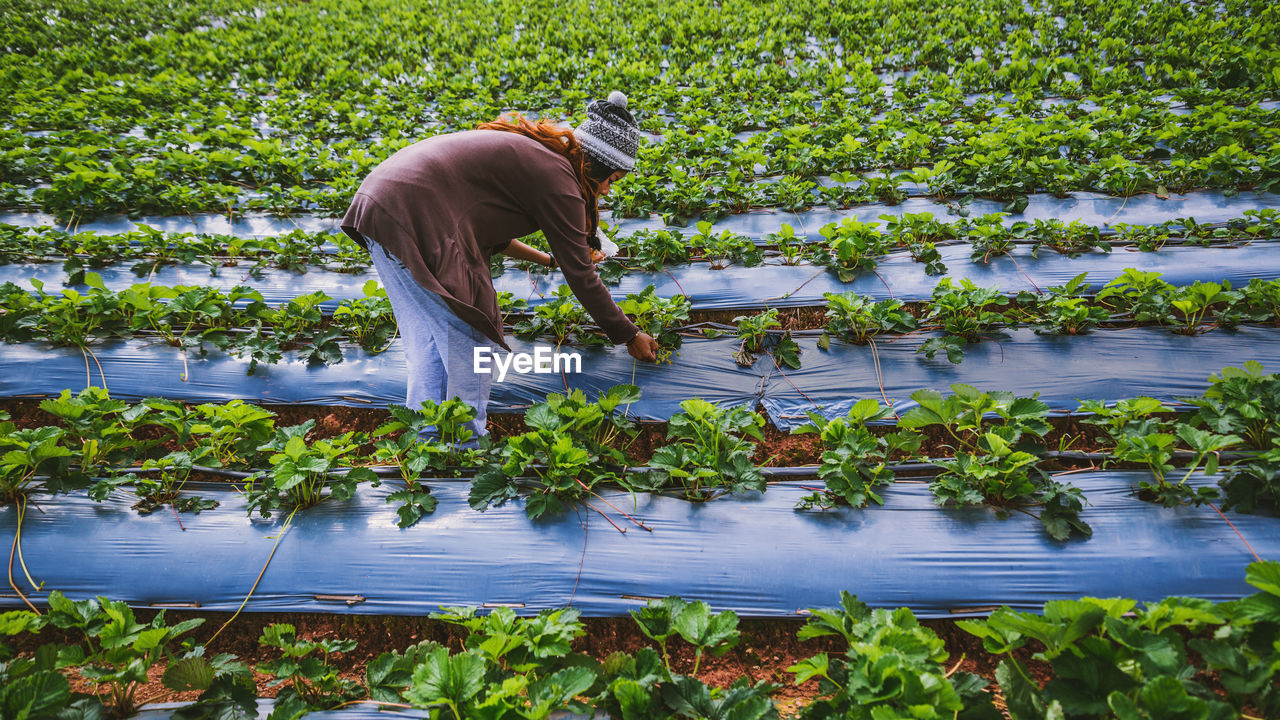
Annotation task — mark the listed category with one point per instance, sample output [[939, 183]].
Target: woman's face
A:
[[617, 175]]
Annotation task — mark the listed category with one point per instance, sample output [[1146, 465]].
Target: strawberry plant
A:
[[927, 253], [304, 474], [854, 461], [1261, 298], [568, 451], [791, 248], [1143, 295], [1128, 418], [963, 314], [537, 644], [711, 453], [367, 321], [852, 247], [560, 318], [310, 683], [894, 667], [27, 456], [226, 685], [432, 438], [231, 433], [1109, 656], [1071, 238], [659, 317], [756, 334], [174, 313], [693, 622], [117, 651], [858, 318], [162, 488], [989, 237], [651, 249], [1242, 401], [724, 248], [74, 319], [1192, 302], [34, 687], [1063, 310], [100, 427], [995, 460]]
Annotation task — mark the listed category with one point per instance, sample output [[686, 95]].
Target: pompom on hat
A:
[[610, 135]]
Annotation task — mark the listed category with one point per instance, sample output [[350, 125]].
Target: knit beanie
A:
[[610, 135]]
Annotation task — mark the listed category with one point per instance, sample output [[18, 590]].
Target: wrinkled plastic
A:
[[773, 284], [1088, 207], [752, 553], [135, 369], [898, 276], [1104, 365]]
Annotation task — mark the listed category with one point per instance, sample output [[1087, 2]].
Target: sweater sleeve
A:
[[562, 218]]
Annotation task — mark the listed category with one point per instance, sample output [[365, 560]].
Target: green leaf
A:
[[810, 668], [1264, 575], [1022, 697], [190, 673], [443, 678]]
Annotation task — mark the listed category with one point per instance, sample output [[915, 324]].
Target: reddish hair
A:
[[559, 140]]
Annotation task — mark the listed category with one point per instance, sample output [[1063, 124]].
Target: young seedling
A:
[[117, 650], [659, 317], [756, 335], [693, 622], [303, 668], [367, 321], [963, 314], [854, 460], [852, 247], [858, 318], [711, 454]]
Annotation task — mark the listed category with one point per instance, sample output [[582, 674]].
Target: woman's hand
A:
[[643, 347], [597, 257]]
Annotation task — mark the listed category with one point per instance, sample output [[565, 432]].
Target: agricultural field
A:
[[967, 403]]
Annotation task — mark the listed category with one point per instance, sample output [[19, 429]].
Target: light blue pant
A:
[[439, 346]]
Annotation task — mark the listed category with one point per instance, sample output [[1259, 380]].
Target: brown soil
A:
[[766, 650], [797, 318]]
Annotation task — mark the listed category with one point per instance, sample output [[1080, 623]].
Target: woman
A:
[[433, 213]]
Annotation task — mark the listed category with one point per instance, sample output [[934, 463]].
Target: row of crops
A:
[[993, 443], [969, 308], [511, 666], [847, 247], [834, 94]]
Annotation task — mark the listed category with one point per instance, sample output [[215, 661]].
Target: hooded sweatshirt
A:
[[444, 205]]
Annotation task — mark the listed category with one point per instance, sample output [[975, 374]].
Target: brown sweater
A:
[[444, 205]]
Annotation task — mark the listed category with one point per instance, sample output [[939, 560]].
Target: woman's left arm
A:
[[521, 251]]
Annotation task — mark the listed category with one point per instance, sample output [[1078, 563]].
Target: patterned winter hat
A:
[[610, 134]]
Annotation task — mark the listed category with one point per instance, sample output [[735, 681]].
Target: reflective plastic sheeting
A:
[[770, 285], [1104, 365], [1206, 206], [134, 369], [754, 553]]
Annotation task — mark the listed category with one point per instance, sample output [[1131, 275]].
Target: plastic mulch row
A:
[[752, 553], [1104, 365]]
